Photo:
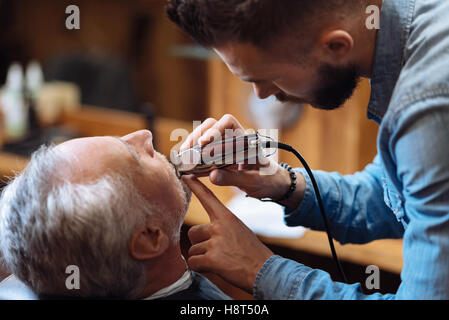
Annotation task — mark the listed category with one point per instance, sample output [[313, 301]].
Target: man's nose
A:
[[142, 139], [264, 91]]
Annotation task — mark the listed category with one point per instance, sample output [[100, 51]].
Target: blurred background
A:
[[128, 68], [127, 56]]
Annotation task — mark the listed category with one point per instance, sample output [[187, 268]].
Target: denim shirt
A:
[[404, 193]]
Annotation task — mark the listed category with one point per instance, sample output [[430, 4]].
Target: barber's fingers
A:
[[214, 208], [203, 257], [199, 233], [192, 139], [207, 173], [241, 179], [254, 164], [200, 263], [198, 249], [247, 167], [246, 175], [219, 129]]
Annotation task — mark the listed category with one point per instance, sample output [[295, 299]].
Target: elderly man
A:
[[110, 207]]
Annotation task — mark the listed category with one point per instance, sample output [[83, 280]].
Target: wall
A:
[[136, 31]]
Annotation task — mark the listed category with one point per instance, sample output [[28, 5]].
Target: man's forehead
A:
[[81, 146], [93, 157]]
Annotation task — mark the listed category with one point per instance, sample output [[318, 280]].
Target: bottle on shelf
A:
[[13, 106], [34, 80]]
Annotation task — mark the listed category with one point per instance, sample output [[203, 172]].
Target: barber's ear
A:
[[148, 242], [337, 43]]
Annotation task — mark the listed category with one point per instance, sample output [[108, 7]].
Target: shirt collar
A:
[[395, 23], [182, 283]]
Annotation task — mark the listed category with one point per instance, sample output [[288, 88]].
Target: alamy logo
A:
[[73, 20], [373, 280], [72, 282], [373, 20]]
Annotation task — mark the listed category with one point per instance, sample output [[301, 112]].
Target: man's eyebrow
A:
[[130, 148]]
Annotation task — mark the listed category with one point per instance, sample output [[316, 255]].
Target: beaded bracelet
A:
[[292, 188]]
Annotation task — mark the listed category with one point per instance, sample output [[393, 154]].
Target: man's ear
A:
[[337, 43], [148, 242]]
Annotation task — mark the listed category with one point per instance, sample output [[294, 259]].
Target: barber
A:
[[315, 51]]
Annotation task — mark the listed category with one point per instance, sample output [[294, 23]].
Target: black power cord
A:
[[286, 147]]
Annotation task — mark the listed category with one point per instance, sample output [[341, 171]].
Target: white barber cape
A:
[[181, 284]]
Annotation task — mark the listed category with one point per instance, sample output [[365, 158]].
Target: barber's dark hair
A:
[[212, 23]]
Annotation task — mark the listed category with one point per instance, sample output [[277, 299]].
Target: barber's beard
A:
[[335, 86]]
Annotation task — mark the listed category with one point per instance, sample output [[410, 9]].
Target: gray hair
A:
[[48, 223]]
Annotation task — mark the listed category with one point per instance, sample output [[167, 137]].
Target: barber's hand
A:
[[226, 246], [246, 177]]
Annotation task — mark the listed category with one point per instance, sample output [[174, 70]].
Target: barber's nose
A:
[[264, 91], [141, 140]]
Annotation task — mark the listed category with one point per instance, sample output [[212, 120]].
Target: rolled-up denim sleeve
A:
[[283, 279], [420, 150], [353, 203]]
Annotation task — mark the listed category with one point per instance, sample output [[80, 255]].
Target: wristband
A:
[[292, 188]]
